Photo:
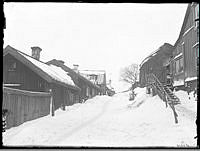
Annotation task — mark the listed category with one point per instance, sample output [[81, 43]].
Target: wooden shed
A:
[[156, 63], [186, 53]]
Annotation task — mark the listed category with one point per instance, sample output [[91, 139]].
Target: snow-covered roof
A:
[[99, 74], [150, 56], [53, 71], [50, 73], [145, 60], [190, 79], [92, 72]]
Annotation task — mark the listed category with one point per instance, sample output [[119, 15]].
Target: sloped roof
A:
[[50, 73], [99, 73], [92, 72], [67, 69], [155, 53]]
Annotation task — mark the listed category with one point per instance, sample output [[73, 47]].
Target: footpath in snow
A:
[[111, 122]]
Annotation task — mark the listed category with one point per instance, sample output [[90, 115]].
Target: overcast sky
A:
[[95, 36]]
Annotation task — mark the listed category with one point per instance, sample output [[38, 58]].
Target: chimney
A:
[[36, 52], [75, 67], [61, 61]]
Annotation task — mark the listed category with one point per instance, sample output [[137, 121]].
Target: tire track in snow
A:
[[83, 125]]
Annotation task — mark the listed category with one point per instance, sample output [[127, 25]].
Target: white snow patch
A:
[[190, 79], [178, 83]]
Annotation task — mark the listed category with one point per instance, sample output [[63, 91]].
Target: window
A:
[[196, 15], [178, 49], [12, 66], [179, 65], [196, 53], [87, 91]]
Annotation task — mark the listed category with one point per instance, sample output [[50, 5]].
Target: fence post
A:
[[175, 114], [166, 101], [51, 103]]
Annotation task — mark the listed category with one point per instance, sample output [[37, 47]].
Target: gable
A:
[[47, 72]]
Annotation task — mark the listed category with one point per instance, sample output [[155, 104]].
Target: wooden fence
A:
[[24, 105]]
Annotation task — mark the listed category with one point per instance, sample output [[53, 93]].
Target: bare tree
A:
[[129, 74]]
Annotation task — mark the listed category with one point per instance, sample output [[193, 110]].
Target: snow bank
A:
[[188, 101], [109, 122]]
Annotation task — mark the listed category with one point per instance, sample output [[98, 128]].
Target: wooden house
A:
[[87, 88], [25, 72], [157, 63], [186, 52]]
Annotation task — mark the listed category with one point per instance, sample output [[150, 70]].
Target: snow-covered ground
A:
[[112, 121]]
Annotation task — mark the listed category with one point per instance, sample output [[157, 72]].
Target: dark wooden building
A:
[[157, 63], [87, 88], [25, 72], [186, 53]]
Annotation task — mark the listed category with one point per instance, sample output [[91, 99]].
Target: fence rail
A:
[[24, 105]]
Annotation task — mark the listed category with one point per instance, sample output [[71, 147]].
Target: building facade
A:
[[186, 52]]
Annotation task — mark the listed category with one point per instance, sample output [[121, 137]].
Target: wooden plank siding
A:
[[155, 64], [31, 81], [27, 79], [24, 105], [79, 80], [185, 43]]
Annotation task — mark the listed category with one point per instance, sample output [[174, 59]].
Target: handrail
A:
[[162, 89]]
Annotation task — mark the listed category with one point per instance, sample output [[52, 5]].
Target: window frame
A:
[[12, 66], [196, 15], [178, 65], [196, 53]]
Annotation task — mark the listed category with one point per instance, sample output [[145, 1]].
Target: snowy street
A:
[[112, 121]]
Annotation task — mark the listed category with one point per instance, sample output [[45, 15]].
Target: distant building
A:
[[97, 77], [87, 88]]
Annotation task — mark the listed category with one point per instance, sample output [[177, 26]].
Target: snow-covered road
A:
[[110, 121]]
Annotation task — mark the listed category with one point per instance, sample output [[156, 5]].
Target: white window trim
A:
[[187, 31], [195, 23], [178, 56], [195, 45]]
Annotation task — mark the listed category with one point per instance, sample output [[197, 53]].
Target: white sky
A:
[[95, 36]]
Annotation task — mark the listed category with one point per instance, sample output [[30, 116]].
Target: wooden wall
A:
[[28, 79], [24, 105], [155, 64], [185, 44]]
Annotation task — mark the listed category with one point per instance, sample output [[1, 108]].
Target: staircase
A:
[[164, 92]]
